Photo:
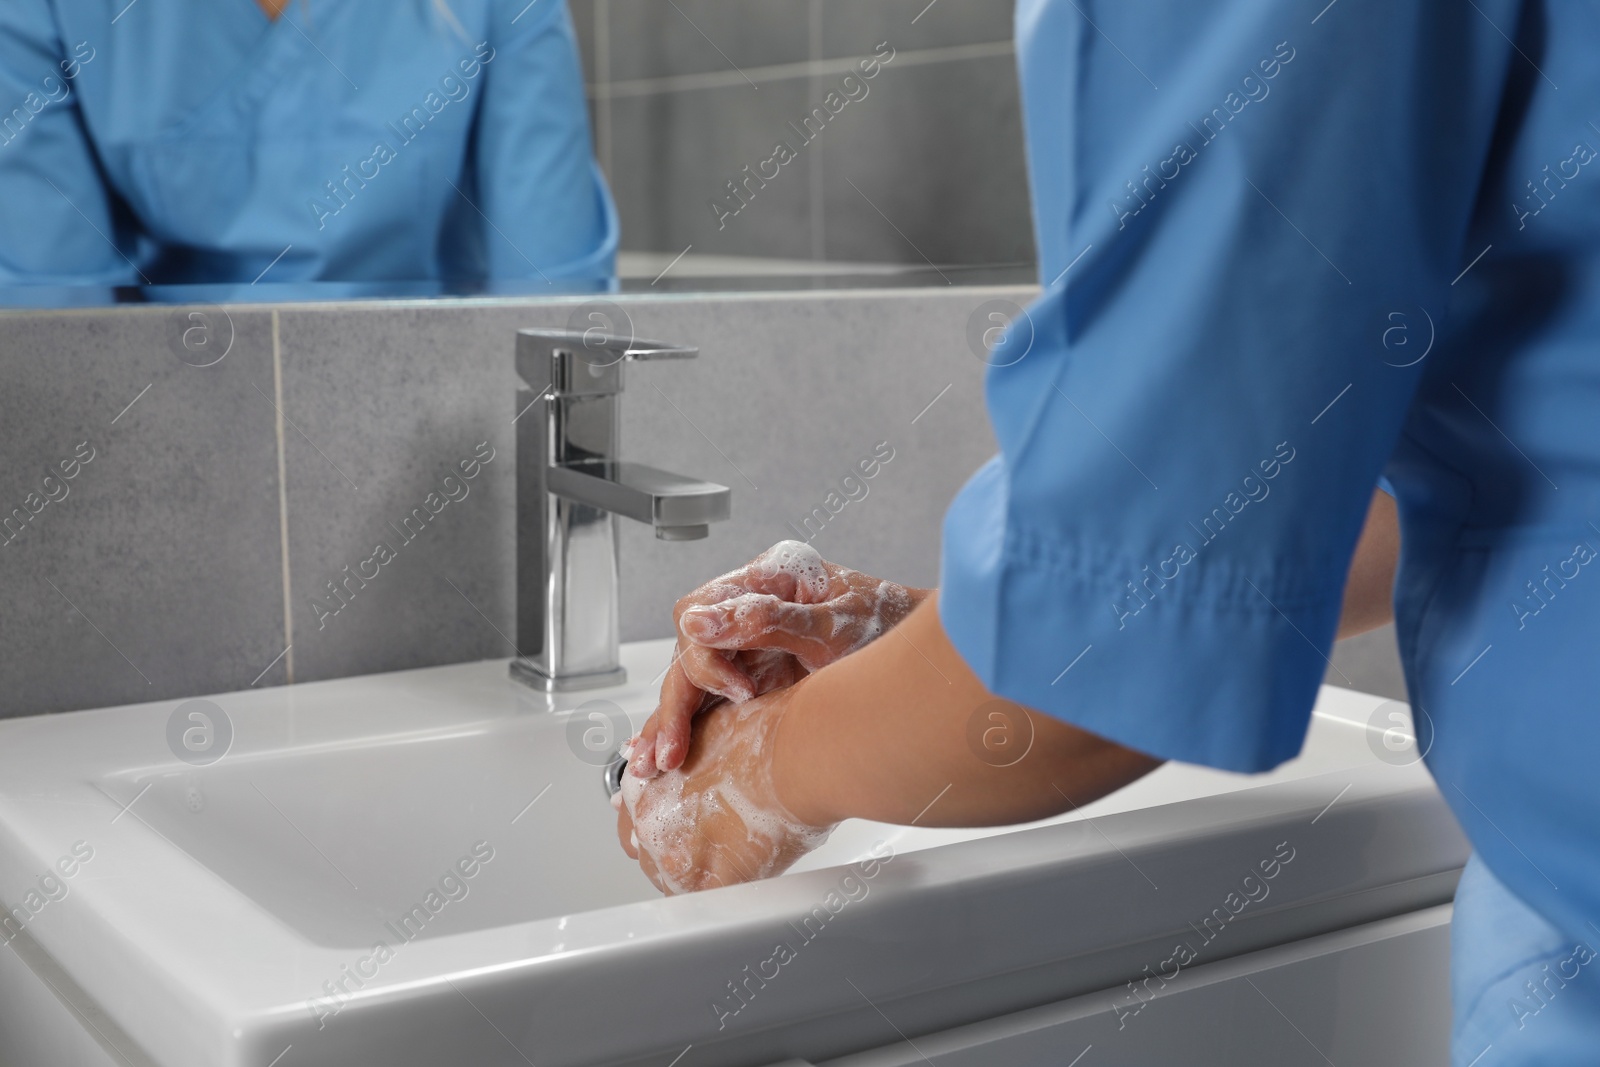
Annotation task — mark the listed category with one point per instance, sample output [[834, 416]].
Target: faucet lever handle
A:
[[585, 362], [658, 350]]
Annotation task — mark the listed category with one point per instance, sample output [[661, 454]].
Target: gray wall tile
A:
[[667, 153], [855, 27], [651, 39], [794, 393], [673, 152], [939, 149], [390, 401], [395, 398], [583, 23], [167, 541], [594, 52]]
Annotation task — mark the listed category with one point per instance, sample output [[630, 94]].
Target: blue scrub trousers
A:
[[1525, 993]]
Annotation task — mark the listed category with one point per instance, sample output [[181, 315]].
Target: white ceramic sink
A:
[[231, 913], [334, 840]]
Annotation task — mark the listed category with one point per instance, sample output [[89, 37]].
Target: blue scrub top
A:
[[1286, 248], [190, 141]]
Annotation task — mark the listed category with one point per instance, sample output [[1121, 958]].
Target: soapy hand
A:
[[784, 614], [717, 820]]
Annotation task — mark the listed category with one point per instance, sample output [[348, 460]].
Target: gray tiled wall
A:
[[928, 166], [162, 571], [219, 498], [788, 392]]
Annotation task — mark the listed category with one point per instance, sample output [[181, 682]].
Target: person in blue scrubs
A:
[[1285, 250], [226, 141]]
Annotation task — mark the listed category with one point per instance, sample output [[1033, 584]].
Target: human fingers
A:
[[714, 671], [790, 570], [770, 669], [641, 752], [668, 732], [663, 741], [816, 634], [674, 731], [679, 699]]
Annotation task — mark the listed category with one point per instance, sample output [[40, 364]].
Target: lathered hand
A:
[[761, 627], [717, 819]]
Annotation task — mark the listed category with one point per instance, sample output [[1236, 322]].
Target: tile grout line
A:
[[837, 66], [283, 501]]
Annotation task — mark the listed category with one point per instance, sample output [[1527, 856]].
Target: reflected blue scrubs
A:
[[188, 141], [1289, 248]]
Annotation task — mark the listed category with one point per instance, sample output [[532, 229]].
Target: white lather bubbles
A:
[[666, 827], [658, 825], [802, 563], [785, 613], [729, 801], [789, 597]]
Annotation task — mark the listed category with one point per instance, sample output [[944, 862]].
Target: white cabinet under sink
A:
[[1377, 995]]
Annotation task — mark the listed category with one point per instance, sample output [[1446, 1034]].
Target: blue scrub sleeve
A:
[[549, 214], [58, 222], [1190, 442]]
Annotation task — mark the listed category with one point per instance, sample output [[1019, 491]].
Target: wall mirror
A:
[[268, 150]]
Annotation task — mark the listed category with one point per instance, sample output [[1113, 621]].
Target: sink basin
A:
[[421, 868], [337, 840]]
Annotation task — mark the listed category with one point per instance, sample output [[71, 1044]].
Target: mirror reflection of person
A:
[[222, 141], [1339, 241]]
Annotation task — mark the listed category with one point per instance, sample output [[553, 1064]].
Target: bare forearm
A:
[[902, 731], [1369, 588]]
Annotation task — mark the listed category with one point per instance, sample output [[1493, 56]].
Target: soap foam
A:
[[802, 563], [665, 821], [672, 817], [765, 823]]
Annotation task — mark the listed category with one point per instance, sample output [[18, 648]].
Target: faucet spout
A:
[[635, 491]]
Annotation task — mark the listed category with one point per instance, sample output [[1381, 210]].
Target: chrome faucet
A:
[[571, 486]]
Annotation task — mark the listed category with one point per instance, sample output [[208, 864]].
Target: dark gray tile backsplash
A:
[[677, 113], [852, 27], [668, 166], [975, 197], [583, 21], [652, 39]]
